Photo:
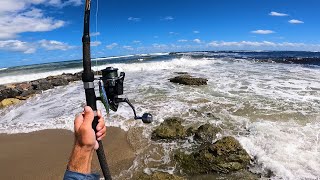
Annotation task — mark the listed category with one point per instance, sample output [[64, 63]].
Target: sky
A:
[[41, 31]]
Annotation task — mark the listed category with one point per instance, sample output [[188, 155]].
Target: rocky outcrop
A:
[[24, 90], [8, 102], [206, 133], [189, 80], [171, 128], [224, 156], [159, 176]]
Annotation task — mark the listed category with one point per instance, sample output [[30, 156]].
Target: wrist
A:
[[80, 160]]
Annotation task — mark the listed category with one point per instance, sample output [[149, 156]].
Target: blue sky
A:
[[39, 31]]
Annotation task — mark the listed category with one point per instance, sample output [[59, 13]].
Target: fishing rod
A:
[[110, 87]]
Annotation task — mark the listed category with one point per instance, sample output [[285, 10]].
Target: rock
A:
[[9, 102], [189, 80], [59, 82], [27, 93], [181, 73], [171, 128], [160, 176], [24, 90], [23, 86], [191, 131], [241, 174], [206, 133], [224, 156], [21, 97], [9, 93], [41, 85]]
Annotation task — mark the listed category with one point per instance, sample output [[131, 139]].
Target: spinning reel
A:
[[111, 87]]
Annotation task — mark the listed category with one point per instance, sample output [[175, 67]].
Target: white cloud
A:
[[54, 45], [95, 43], [240, 44], [136, 42], [30, 21], [196, 32], [127, 48], [182, 40], [263, 32], [19, 16], [168, 18], [263, 45], [173, 33], [134, 19], [197, 41], [17, 46], [273, 13], [159, 46], [95, 34], [295, 21], [111, 46]]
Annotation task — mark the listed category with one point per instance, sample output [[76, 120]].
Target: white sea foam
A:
[[149, 66], [273, 109], [290, 150]]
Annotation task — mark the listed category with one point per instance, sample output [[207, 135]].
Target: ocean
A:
[[269, 101]]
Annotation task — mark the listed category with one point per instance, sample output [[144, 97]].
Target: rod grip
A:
[[100, 153]]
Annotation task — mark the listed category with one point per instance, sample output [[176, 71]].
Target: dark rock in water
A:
[[224, 156], [171, 128], [181, 73], [59, 82], [237, 175], [41, 85], [206, 133], [159, 176], [23, 86], [9, 93], [191, 131], [189, 80], [24, 90]]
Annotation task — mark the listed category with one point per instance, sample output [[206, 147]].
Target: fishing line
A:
[[96, 34]]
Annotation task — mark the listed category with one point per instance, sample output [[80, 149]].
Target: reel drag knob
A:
[[147, 118]]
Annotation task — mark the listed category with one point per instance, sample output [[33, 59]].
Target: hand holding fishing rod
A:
[[110, 88]]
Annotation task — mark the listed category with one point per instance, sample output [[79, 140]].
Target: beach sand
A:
[[44, 154]]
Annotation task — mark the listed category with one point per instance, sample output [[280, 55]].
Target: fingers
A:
[[78, 121], [88, 116], [101, 128], [101, 123], [101, 134], [96, 146]]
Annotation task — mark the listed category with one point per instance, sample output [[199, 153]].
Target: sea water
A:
[[270, 104]]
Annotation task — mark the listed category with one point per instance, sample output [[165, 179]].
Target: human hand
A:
[[85, 137], [85, 140]]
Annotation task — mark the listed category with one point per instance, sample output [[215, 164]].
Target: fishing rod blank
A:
[[88, 81]]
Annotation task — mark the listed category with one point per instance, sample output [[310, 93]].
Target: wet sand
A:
[[44, 154]]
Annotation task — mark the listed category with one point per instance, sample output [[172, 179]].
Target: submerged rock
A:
[[181, 73], [160, 176], [171, 128], [224, 156], [206, 133], [9, 102], [188, 80], [237, 175]]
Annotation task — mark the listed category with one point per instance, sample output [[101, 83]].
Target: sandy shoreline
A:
[[44, 154]]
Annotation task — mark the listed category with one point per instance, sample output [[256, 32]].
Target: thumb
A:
[[88, 116]]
